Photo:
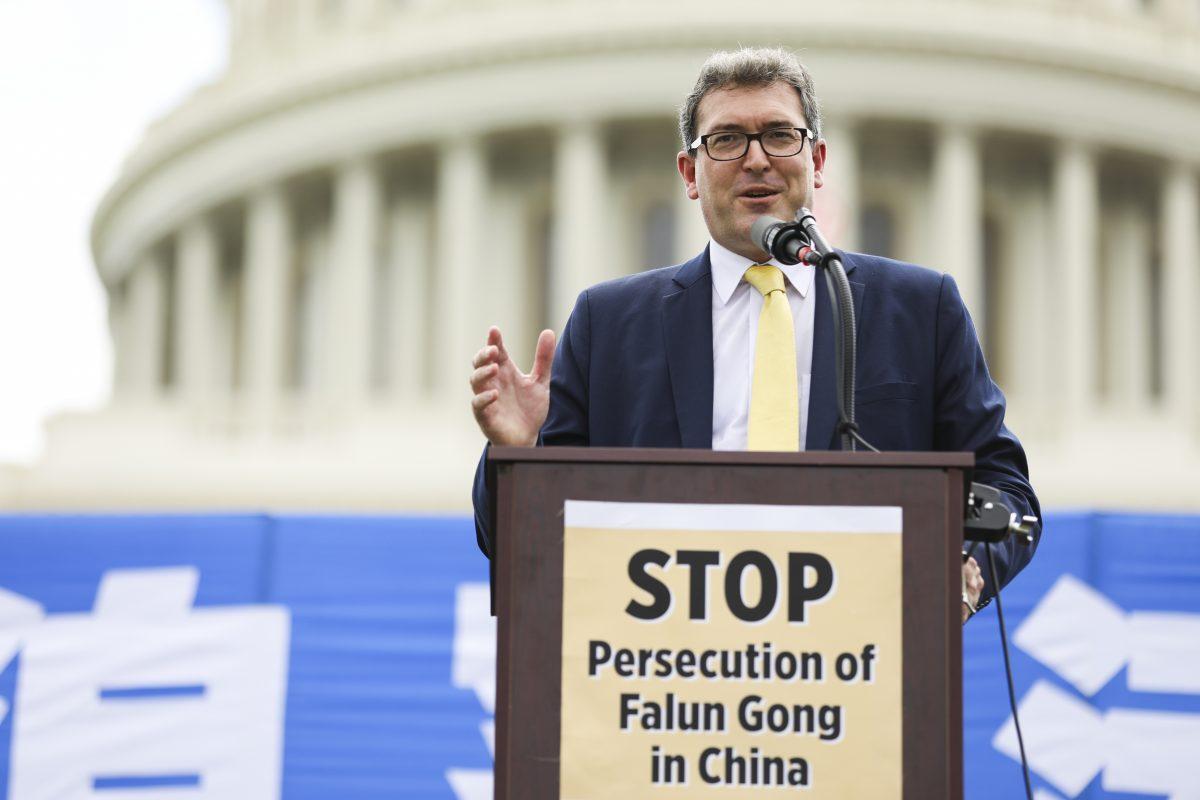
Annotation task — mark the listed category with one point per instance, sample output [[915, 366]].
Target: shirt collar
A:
[[728, 268]]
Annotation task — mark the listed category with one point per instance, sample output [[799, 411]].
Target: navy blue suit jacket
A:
[[634, 368]]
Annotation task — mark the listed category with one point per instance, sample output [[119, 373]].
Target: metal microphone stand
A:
[[845, 345]]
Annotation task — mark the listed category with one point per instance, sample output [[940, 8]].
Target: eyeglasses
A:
[[732, 145]]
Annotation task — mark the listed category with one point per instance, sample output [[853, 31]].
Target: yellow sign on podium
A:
[[730, 651]]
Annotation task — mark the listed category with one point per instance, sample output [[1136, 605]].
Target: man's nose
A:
[[756, 158]]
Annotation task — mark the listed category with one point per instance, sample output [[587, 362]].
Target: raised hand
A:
[[509, 405]]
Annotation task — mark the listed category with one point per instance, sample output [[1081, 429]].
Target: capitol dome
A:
[[302, 257]]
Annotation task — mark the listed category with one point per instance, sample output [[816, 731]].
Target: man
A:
[[668, 358]]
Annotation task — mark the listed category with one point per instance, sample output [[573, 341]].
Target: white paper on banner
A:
[[1153, 752], [1065, 738], [474, 667], [1078, 632], [1164, 652], [18, 614], [149, 698], [1138, 751], [147, 593], [1087, 639], [474, 662], [471, 784]]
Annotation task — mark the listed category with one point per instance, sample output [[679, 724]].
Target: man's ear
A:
[[818, 157], [687, 170]]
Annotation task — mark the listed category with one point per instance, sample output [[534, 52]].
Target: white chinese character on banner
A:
[[1088, 640], [146, 692], [474, 668]]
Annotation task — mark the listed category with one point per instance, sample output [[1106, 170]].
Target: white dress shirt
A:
[[735, 309]]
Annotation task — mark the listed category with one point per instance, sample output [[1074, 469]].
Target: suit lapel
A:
[[687, 326], [822, 389]]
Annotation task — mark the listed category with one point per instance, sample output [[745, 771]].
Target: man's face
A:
[[733, 194]]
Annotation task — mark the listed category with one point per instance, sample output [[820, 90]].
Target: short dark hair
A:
[[750, 66]]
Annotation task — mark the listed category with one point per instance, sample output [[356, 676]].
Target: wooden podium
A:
[[531, 486]]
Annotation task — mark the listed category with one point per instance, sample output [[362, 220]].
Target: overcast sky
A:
[[79, 82]]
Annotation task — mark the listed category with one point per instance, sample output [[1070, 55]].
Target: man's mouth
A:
[[759, 194]]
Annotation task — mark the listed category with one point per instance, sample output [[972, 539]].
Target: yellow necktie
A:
[[774, 395]]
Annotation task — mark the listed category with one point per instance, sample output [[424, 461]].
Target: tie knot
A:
[[766, 278]]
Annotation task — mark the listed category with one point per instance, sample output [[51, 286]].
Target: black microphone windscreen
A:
[[760, 231]]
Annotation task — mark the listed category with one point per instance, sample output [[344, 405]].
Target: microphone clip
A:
[[990, 518]]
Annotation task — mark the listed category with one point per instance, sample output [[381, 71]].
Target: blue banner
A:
[[352, 657]]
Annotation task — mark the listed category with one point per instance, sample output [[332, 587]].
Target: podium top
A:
[[815, 458]]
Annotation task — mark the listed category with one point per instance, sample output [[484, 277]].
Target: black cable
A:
[[848, 328], [845, 327], [858, 438], [836, 312], [849, 430], [845, 349], [1012, 692]]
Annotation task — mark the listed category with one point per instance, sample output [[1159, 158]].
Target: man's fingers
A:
[[493, 351], [484, 399], [490, 354], [486, 355], [972, 585], [975, 580], [496, 340], [543, 357], [482, 375]]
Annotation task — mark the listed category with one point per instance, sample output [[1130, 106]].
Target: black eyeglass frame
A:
[[805, 135]]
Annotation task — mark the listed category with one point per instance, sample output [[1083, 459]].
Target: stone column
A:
[[359, 13], [119, 332], [1126, 335], [513, 286], [308, 23], [1075, 194], [196, 299], [357, 206], [268, 254], [409, 331], [837, 204], [1026, 310], [580, 200], [1179, 12], [146, 318], [461, 214], [958, 214], [1181, 294]]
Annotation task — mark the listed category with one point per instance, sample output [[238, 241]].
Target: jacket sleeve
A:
[[566, 421], [969, 415]]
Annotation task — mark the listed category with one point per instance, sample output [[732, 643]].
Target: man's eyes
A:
[[724, 138], [775, 135]]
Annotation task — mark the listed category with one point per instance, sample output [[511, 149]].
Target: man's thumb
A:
[[543, 357]]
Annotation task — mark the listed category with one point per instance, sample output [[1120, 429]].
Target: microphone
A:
[[785, 241]]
